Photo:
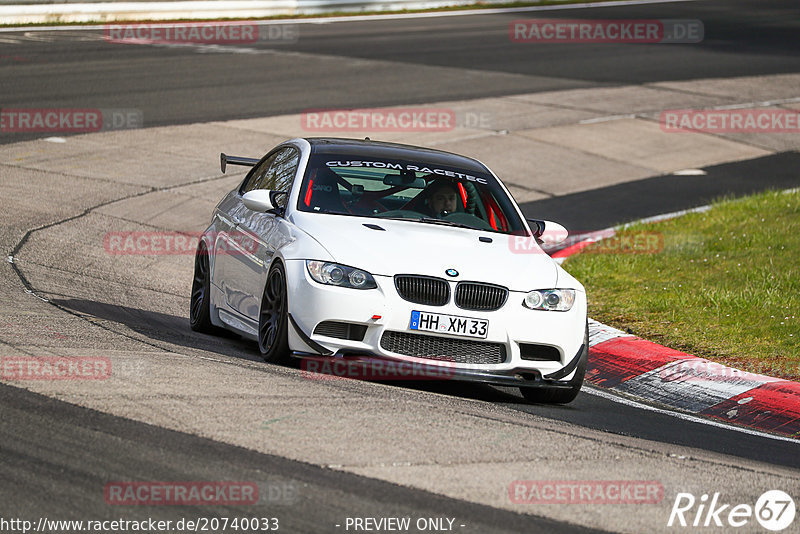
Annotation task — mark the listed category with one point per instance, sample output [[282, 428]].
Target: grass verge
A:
[[725, 285]]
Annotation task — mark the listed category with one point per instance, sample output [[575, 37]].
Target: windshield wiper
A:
[[429, 220], [443, 222]]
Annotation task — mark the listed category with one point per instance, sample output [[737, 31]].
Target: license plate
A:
[[449, 324]]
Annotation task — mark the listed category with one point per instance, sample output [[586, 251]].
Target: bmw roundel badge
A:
[[451, 272]]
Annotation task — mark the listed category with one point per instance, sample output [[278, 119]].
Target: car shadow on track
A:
[[464, 390], [158, 327]]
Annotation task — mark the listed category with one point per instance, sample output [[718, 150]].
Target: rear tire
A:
[[200, 303], [562, 396], [273, 338]]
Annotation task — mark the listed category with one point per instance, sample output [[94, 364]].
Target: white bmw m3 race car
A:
[[350, 251]]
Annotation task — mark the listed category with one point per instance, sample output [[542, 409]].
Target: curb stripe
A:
[[677, 384], [584, 240], [680, 381], [573, 249], [774, 407], [603, 394], [614, 362]]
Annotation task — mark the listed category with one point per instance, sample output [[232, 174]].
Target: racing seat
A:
[[322, 192]]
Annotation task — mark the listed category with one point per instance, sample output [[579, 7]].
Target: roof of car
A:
[[384, 150]]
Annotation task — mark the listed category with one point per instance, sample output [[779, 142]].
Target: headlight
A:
[[550, 299], [334, 274]]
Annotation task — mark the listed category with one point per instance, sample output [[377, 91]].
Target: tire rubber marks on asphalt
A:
[[49, 37]]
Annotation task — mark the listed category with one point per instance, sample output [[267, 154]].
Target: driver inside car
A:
[[441, 198]]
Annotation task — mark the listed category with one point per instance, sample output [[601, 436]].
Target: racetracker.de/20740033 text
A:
[[178, 526]]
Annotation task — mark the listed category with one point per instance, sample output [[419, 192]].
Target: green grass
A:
[[476, 5], [726, 285]]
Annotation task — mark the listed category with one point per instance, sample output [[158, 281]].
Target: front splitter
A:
[[381, 368]]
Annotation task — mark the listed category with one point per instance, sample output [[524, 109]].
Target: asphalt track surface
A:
[[598, 209], [41, 464], [410, 61]]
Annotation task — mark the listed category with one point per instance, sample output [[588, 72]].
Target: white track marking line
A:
[[686, 417], [600, 333], [608, 118], [667, 216], [361, 18], [722, 107]]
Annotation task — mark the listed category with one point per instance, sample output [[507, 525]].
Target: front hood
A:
[[428, 249]]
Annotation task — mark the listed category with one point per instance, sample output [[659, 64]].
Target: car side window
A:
[[280, 175], [275, 173], [256, 176]]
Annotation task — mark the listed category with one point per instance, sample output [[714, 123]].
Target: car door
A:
[[228, 218], [251, 246]]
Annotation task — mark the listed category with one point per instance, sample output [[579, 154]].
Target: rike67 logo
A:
[[774, 510]]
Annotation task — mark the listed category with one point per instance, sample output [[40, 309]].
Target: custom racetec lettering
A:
[[407, 167], [375, 164]]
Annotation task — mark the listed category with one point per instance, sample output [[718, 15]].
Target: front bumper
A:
[[382, 310]]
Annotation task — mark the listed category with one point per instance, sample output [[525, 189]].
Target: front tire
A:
[[562, 396], [273, 338]]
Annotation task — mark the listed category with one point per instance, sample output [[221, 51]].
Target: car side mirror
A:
[[260, 200], [549, 233]]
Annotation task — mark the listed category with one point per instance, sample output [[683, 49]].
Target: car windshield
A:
[[407, 190]]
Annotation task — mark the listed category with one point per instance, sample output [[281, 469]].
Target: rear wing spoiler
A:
[[224, 160]]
